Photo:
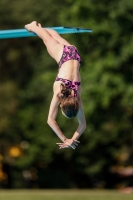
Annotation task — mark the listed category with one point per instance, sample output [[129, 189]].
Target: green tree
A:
[[26, 78], [107, 85]]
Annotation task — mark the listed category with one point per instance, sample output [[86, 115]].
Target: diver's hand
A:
[[69, 143]]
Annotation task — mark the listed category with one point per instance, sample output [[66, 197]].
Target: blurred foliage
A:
[[28, 151]]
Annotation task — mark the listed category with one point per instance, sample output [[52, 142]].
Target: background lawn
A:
[[63, 195]]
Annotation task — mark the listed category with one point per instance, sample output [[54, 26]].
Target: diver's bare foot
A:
[[30, 26]]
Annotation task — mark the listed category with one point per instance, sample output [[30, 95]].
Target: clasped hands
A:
[[69, 143]]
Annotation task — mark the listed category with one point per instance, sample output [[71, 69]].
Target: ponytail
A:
[[70, 105], [65, 92]]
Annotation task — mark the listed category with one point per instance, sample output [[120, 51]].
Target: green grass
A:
[[63, 195]]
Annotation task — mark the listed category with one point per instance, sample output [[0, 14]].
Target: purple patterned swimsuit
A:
[[70, 84], [69, 53]]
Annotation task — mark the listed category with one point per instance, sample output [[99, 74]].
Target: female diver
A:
[[67, 85]]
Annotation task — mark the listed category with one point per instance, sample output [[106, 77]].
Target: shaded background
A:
[[29, 157]]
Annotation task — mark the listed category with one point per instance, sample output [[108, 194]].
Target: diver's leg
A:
[[54, 48]]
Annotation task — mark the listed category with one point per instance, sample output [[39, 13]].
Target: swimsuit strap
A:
[[70, 84]]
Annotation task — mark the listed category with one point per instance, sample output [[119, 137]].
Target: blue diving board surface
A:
[[20, 33]]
